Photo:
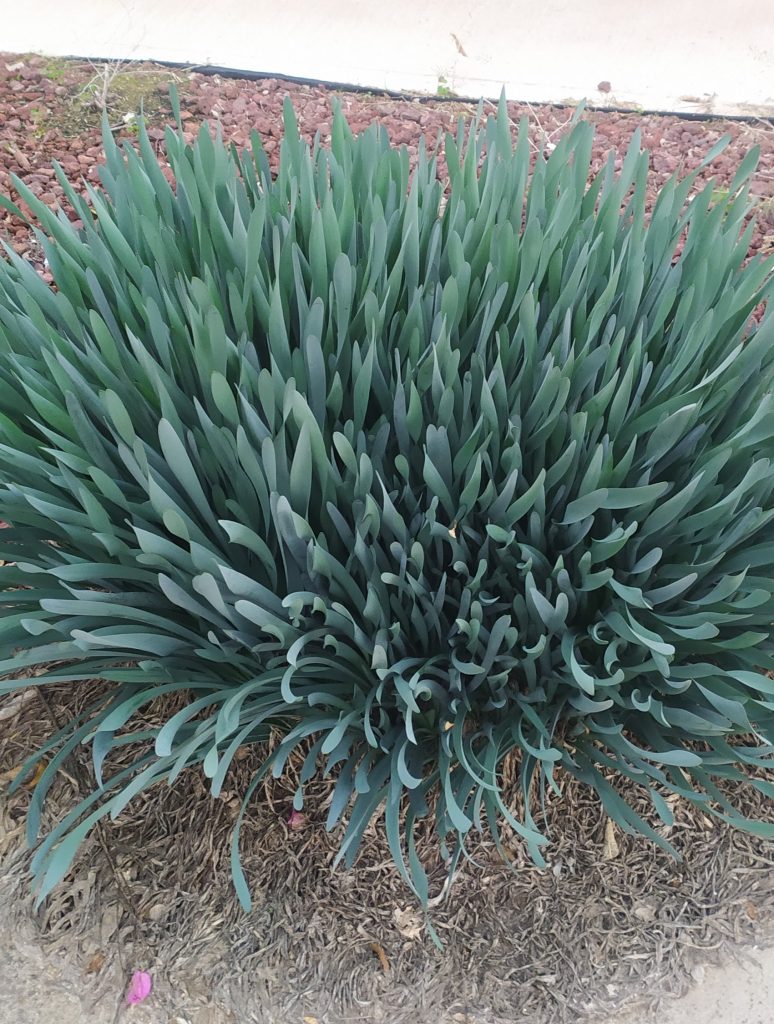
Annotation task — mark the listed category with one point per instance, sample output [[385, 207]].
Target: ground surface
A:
[[740, 991], [605, 925], [39, 988]]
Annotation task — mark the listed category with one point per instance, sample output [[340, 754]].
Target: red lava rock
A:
[[31, 136]]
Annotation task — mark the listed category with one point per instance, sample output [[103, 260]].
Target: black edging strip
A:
[[395, 94]]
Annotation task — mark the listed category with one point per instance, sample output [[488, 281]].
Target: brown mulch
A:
[[604, 925], [552, 946]]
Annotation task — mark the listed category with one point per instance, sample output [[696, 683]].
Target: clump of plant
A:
[[417, 476]]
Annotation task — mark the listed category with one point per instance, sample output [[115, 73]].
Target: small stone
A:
[[157, 912], [644, 912]]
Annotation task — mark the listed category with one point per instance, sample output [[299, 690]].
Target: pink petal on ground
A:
[[139, 987], [295, 819]]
